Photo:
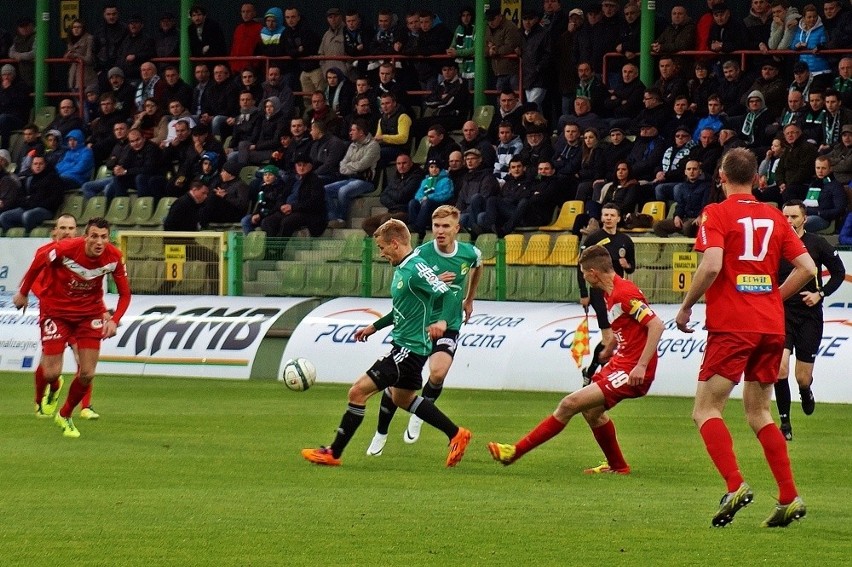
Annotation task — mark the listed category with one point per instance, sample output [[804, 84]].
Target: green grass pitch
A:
[[208, 472]]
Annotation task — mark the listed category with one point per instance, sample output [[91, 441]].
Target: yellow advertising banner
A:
[[69, 10]]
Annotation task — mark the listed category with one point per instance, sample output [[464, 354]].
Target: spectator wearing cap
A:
[[125, 94], [358, 169], [167, 37], [109, 37], [840, 156], [477, 185], [91, 103], [331, 43], [727, 34], [536, 57], [646, 156], [670, 172], [449, 102], [435, 190], [502, 38], [23, 49], [753, 126], [40, 197], [185, 213], [616, 150], [246, 37], [15, 104], [206, 38], [229, 197], [135, 49], [809, 37], [771, 86], [270, 188], [537, 147], [79, 48], [301, 203], [399, 189]]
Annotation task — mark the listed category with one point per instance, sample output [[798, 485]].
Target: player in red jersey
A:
[[629, 372], [47, 394], [743, 242], [72, 308]]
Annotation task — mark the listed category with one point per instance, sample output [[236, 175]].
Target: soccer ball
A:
[[298, 374]]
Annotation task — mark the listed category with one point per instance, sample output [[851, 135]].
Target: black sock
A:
[[782, 398], [348, 426], [432, 391], [386, 411], [426, 410], [593, 365]]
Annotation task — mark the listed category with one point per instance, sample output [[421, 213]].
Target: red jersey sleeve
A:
[[43, 257], [122, 283]]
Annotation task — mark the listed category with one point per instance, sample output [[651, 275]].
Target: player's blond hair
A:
[[393, 229], [596, 257], [445, 211]]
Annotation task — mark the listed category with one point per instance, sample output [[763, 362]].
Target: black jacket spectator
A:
[[41, 190], [107, 41], [300, 41], [536, 58], [645, 157], [326, 154], [306, 197], [480, 181], [206, 40], [229, 200]]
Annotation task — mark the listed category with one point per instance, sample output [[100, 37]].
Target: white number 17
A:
[[750, 227]]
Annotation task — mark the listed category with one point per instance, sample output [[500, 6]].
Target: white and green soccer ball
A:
[[298, 374]]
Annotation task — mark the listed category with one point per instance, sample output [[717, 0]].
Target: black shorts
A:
[[447, 343], [804, 333], [598, 303], [400, 368]]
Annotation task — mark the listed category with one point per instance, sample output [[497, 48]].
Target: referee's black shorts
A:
[[804, 332]]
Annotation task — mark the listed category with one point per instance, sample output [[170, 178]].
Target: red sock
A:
[[606, 438], [75, 394], [720, 446], [775, 449], [86, 402], [549, 428], [40, 383]]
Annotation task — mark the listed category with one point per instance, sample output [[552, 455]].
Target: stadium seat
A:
[[43, 117], [141, 210], [119, 210], [514, 248], [102, 172], [381, 279], [16, 232], [483, 115], [560, 285], [463, 237], [254, 245], [487, 244], [565, 251], [421, 152], [152, 247], [41, 232], [525, 283], [156, 220], [487, 288], [353, 245], [146, 277], [567, 215], [73, 205], [95, 207], [657, 211], [247, 173], [646, 280], [317, 279], [196, 279], [345, 280], [827, 230], [536, 251], [290, 280]]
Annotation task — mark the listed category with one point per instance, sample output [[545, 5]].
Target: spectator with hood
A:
[[77, 163]]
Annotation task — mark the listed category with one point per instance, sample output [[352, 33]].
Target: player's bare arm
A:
[[20, 300], [437, 329], [363, 333], [704, 277], [803, 270], [655, 332]]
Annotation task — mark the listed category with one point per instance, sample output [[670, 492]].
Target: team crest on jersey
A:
[[49, 330], [97, 323], [465, 268]]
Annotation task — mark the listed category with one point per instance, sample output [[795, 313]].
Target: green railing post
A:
[[234, 258], [480, 70], [367, 267], [501, 270], [183, 31], [42, 42], [646, 38]]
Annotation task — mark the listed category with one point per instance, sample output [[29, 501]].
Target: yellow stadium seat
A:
[[657, 211], [566, 251], [514, 248], [567, 215], [536, 250]]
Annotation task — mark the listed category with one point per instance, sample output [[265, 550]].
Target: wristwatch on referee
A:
[[821, 293]]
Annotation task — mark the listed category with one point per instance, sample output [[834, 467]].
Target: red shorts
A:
[[612, 381], [732, 355], [56, 333]]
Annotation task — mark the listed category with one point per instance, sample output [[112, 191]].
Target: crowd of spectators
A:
[[572, 119]]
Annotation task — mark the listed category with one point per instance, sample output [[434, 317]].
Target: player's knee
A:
[[568, 407]]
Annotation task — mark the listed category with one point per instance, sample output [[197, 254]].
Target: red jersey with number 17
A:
[[73, 283], [629, 316], [753, 237]]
